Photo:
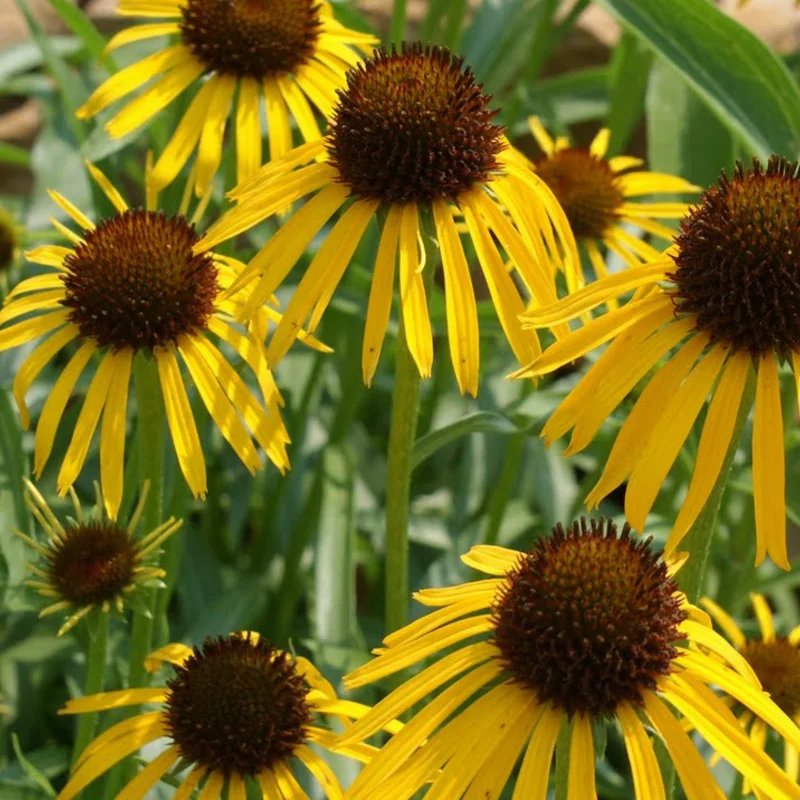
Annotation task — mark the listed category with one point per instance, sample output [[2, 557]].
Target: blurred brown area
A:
[[776, 21]]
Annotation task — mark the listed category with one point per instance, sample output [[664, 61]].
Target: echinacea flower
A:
[[235, 709], [589, 626], [599, 196], [91, 562], [133, 287], [289, 52], [776, 661], [723, 299], [411, 138]]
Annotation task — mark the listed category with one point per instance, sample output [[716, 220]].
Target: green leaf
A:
[[26, 56], [82, 27], [630, 67], [734, 71], [479, 422], [13, 154], [684, 137], [71, 88], [30, 770]]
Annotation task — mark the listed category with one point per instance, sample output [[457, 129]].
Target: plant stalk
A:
[[151, 467], [95, 674], [397, 31], [402, 433]]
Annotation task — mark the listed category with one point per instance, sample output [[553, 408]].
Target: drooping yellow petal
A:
[[639, 183], [764, 617], [599, 144], [41, 301], [644, 417], [181, 422], [379, 306], [647, 780], [322, 277], [300, 109], [321, 771], [695, 776], [543, 138], [769, 468], [505, 295], [725, 621], [714, 443], [535, 771], [137, 33], [209, 152], [87, 420], [112, 432], [56, 403], [278, 124], [118, 699], [658, 455], [581, 760], [183, 140], [248, 129], [173, 653], [155, 98], [236, 787], [462, 311], [132, 77], [150, 775]]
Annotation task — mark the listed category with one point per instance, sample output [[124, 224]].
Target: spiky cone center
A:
[[92, 563], [237, 705], [251, 38], [135, 283], [8, 240], [777, 665], [588, 619], [738, 264], [586, 188], [413, 125]]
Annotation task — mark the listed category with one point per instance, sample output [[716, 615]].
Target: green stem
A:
[[540, 47], [95, 673], [402, 432], [698, 541], [455, 19], [151, 467], [563, 744], [405, 413], [398, 30]]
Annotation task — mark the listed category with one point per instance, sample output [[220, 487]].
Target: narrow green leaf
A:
[[684, 137], [734, 71], [22, 57], [72, 91], [630, 67], [81, 26], [30, 770], [14, 154], [479, 422]]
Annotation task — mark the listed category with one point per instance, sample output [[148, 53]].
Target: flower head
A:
[[412, 140], [600, 195], [235, 709], [91, 562], [289, 51], [135, 288], [587, 627], [775, 659], [726, 296]]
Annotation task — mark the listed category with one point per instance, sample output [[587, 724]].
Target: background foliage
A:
[[301, 558]]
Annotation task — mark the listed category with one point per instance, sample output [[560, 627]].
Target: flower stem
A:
[[398, 30], [405, 413], [95, 673], [698, 541], [402, 433], [150, 433]]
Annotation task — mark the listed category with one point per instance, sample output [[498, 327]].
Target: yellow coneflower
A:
[[286, 51], [412, 135], [727, 295], [235, 709], [589, 626], [91, 563], [132, 286], [598, 196], [776, 661]]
